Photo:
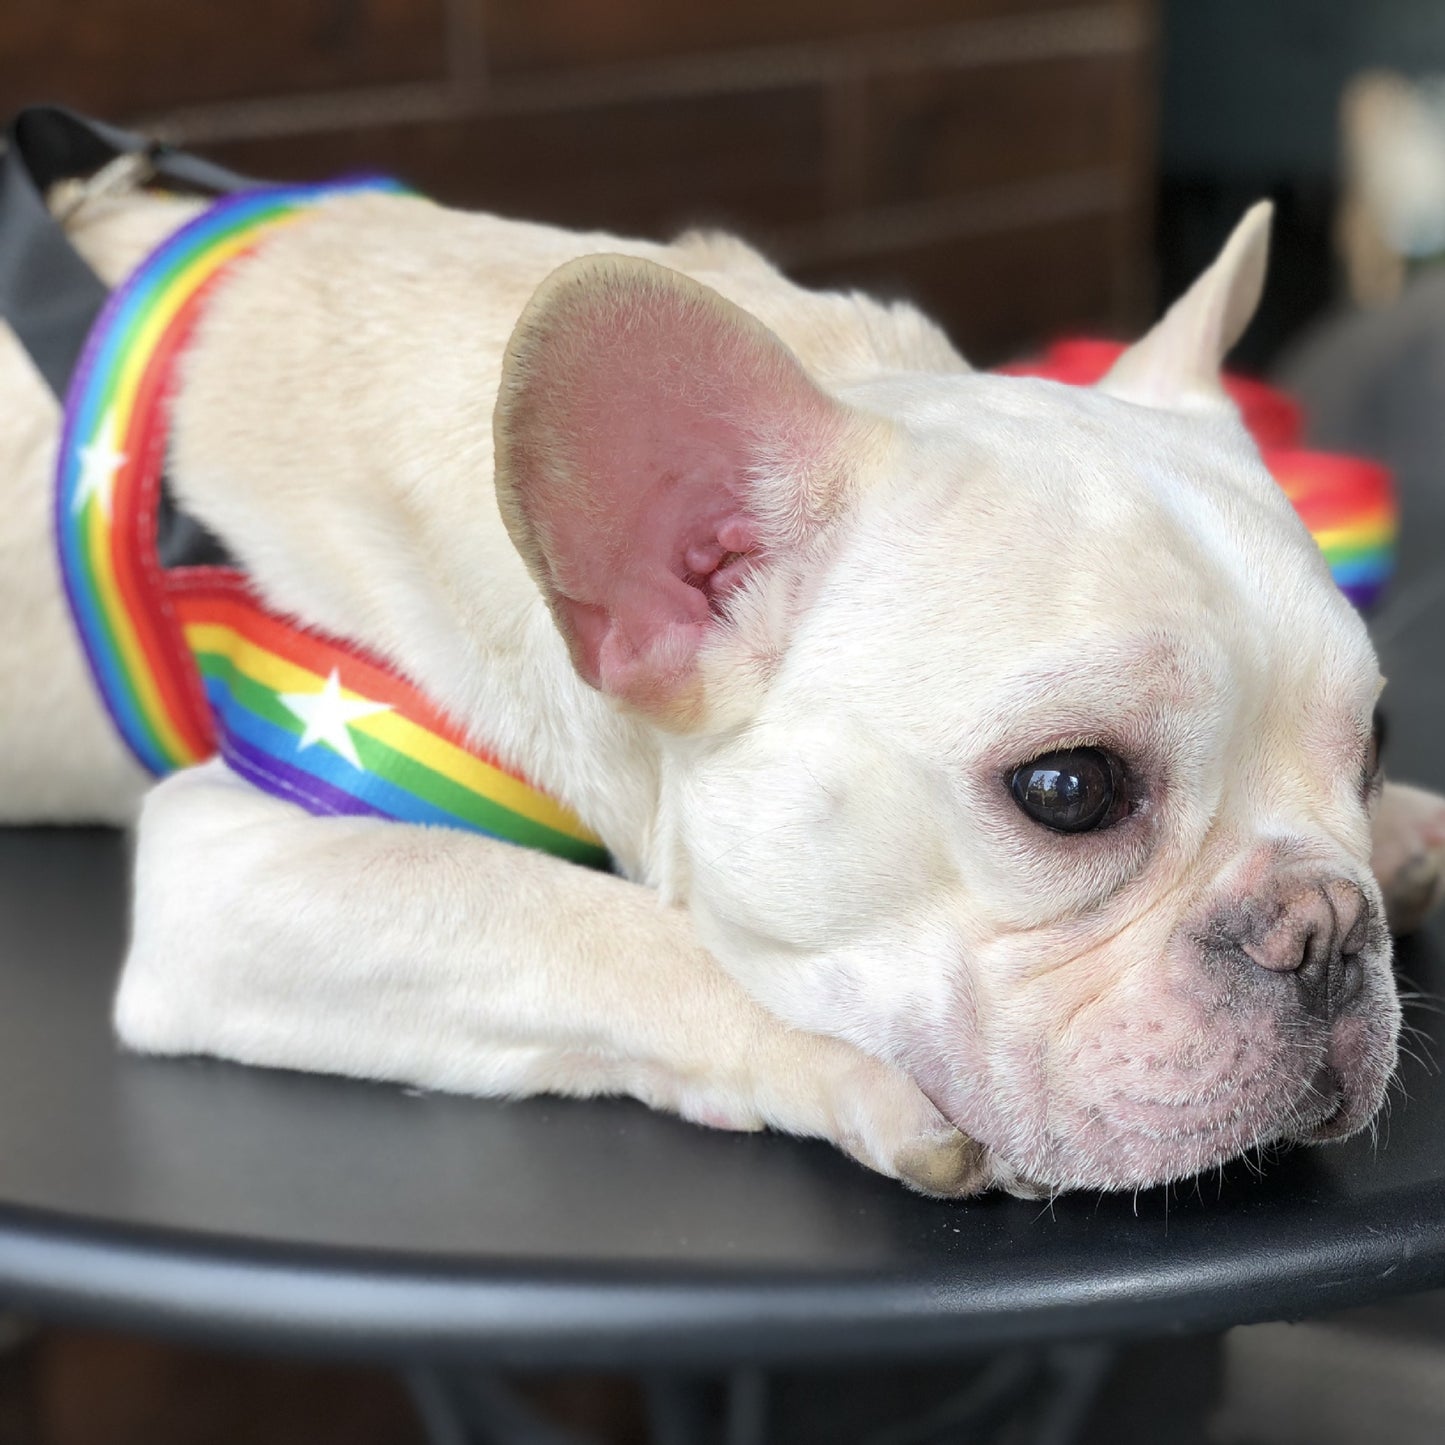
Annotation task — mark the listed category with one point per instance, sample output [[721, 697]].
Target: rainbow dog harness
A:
[[188, 660]]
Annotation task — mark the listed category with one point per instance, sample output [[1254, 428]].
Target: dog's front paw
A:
[[821, 1088], [1408, 855], [880, 1117]]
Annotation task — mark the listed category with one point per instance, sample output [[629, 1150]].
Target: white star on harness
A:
[[99, 462], [326, 715]]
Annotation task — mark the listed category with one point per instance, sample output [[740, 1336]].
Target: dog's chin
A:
[[1143, 1157], [1178, 1126]]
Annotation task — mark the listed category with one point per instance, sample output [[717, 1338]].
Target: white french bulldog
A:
[[989, 761]]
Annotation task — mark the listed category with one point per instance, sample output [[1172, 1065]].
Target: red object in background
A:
[[1329, 490], [1273, 419]]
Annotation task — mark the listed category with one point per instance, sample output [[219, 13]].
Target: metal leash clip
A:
[[122, 173]]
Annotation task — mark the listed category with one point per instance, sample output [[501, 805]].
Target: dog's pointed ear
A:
[[1177, 364], [657, 449]]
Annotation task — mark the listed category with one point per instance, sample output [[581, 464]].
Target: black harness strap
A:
[[48, 295]]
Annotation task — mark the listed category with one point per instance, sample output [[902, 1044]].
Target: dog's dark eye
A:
[[1072, 791]]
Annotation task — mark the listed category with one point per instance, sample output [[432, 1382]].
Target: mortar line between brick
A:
[[466, 41], [1094, 32], [1102, 192]]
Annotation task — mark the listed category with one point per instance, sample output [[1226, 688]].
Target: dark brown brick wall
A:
[[127, 56], [526, 35], [648, 165], [941, 131], [1005, 284], [991, 158]]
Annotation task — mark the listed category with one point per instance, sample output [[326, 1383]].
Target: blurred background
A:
[[1020, 168], [993, 158]]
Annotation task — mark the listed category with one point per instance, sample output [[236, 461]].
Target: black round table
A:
[[287, 1211], [291, 1211]]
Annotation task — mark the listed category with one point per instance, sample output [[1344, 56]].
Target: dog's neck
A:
[[452, 608], [495, 661]]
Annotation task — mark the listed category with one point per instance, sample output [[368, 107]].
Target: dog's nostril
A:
[[1322, 952], [1357, 937], [1351, 912], [1328, 976]]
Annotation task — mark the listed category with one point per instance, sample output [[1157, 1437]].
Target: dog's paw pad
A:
[[950, 1167]]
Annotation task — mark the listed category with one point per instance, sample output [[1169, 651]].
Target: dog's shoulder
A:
[[114, 233]]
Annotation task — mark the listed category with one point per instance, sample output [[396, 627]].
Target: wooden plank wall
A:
[[991, 159]]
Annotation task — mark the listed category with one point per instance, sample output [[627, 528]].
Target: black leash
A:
[[48, 295]]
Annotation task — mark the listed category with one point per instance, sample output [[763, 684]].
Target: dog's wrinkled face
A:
[[1129, 629], [1013, 732]]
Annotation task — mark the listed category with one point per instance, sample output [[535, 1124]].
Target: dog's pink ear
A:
[[1177, 364], [656, 446]]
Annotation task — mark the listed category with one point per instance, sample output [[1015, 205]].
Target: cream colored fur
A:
[[827, 832]]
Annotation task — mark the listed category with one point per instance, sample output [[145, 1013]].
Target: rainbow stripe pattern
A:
[[188, 661], [1350, 508]]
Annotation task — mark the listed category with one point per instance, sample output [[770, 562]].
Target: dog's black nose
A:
[[1304, 934], [1312, 931]]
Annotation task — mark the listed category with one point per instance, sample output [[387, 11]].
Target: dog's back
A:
[[60, 758]]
